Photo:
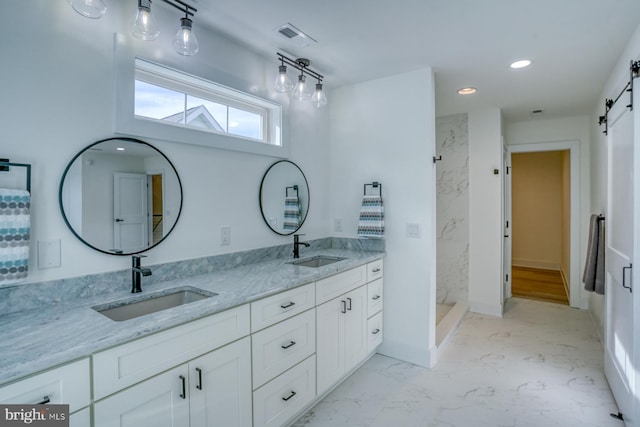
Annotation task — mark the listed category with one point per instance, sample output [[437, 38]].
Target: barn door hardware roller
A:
[[634, 72]]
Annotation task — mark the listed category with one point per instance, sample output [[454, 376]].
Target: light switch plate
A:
[[49, 254], [225, 236], [337, 225], [414, 231]]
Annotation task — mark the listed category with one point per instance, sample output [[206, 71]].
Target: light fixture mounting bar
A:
[[182, 6], [300, 64]]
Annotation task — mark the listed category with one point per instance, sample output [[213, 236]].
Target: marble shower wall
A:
[[452, 143]]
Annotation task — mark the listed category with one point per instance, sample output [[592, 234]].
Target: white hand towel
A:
[[15, 229]]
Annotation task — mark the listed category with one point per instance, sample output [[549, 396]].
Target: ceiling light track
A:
[[300, 64], [634, 73]]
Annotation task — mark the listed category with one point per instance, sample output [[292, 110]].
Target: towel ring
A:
[[4, 167]]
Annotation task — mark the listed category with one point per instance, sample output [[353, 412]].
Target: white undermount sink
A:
[[317, 261], [141, 305]]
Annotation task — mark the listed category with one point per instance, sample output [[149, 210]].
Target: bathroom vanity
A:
[[274, 340]]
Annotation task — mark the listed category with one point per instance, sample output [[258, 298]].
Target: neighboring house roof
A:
[[196, 116]]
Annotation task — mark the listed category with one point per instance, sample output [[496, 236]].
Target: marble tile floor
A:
[[541, 365]]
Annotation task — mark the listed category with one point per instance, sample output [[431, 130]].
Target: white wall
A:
[[384, 130], [485, 211], [58, 97], [617, 79]]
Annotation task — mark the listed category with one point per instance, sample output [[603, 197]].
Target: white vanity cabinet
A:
[[212, 390], [67, 384]]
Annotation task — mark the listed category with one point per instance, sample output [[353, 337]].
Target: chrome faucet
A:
[[136, 273], [297, 243]]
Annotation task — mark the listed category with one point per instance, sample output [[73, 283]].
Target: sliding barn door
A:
[[620, 231]]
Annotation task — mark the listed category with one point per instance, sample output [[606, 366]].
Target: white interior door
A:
[[619, 340], [506, 246], [130, 212]]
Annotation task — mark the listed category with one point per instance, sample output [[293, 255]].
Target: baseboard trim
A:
[[488, 309], [449, 324], [565, 282], [532, 263]]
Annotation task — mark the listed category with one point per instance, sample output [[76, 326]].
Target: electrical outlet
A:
[[225, 236], [337, 225]]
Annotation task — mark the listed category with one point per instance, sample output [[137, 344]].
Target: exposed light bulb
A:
[[283, 83], [185, 41], [319, 99], [93, 9], [302, 90], [144, 25]]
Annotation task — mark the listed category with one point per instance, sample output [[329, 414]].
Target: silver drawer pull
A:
[[291, 344], [44, 401], [375, 297], [375, 331], [293, 393], [285, 306], [376, 270]]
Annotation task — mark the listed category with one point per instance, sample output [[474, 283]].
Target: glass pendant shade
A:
[[93, 9], [283, 82], [144, 25], [319, 99], [185, 41], [302, 90]]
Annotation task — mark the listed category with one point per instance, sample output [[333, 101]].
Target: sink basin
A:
[[151, 303], [317, 261]]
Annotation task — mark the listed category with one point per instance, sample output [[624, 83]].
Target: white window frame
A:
[[126, 122]]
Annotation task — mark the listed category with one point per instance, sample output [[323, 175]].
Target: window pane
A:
[[245, 123], [205, 114], [156, 102]]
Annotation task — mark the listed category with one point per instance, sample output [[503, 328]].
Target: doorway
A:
[[544, 218]]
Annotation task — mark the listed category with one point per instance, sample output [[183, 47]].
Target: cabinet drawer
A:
[[339, 284], [68, 384], [281, 346], [279, 307], [127, 364], [374, 270], [374, 329], [374, 297], [279, 400]]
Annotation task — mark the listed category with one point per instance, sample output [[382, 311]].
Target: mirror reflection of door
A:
[[130, 211], [156, 223]]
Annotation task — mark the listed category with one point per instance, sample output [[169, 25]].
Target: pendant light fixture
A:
[[303, 89], [93, 9], [185, 41], [144, 25]]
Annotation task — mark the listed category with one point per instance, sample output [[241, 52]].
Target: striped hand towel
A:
[[371, 222], [291, 213], [15, 227]]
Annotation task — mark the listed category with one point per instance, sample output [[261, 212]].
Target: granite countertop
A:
[[34, 340]]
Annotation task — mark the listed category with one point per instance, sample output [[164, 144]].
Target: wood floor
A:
[[538, 284]]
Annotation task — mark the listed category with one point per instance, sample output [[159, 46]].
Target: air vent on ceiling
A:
[[294, 35]]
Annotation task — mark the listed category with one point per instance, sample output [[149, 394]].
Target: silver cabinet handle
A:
[[375, 331], [44, 401], [624, 277], [291, 344], [184, 387], [293, 393], [375, 297], [199, 371], [290, 304]]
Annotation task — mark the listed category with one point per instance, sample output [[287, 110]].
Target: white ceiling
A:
[[573, 44]]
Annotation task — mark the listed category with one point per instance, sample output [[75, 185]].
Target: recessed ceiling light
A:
[[120, 149], [521, 64], [467, 91]]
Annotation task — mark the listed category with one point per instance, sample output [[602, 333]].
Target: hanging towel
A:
[[292, 213], [371, 222], [593, 277], [14, 235]]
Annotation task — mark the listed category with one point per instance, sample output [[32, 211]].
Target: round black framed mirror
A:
[[120, 196], [284, 197]]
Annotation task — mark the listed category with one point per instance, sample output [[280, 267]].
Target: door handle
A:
[[199, 371], [119, 220], [184, 387], [44, 401], [624, 277]]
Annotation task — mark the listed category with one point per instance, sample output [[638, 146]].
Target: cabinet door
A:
[[220, 385], [330, 318], [161, 401], [356, 339]]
